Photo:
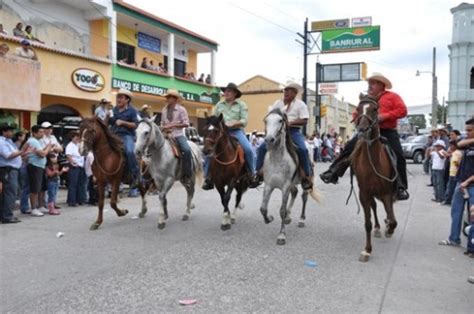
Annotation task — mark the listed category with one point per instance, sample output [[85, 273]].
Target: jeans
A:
[[24, 190], [53, 185], [317, 154], [457, 209], [186, 152], [8, 196], [76, 189], [470, 239], [301, 150], [448, 197], [92, 189], [239, 135], [129, 146], [438, 184]]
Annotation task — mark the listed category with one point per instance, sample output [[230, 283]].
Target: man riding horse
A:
[[124, 122], [391, 109], [174, 118], [235, 114], [297, 113]]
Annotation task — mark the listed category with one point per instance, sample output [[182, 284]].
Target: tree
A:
[[417, 120]]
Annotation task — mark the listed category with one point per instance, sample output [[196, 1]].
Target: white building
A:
[[461, 58]]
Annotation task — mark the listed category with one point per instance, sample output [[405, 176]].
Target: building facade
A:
[[461, 61], [91, 49]]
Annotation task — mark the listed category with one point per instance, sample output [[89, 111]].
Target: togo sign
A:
[[88, 80]]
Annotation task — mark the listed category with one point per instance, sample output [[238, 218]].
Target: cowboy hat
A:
[[297, 87], [440, 143], [125, 92], [381, 78], [104, 101], [233, 87], [173, 93], [145, 106]]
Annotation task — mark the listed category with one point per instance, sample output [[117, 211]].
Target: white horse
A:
[[164, 167], [280, 171]]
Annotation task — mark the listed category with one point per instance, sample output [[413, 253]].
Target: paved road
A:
[[130, 265]]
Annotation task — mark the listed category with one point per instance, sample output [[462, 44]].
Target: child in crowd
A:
[[455, 156], [438, 156], [52, 174]]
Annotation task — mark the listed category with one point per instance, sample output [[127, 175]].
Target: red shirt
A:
[[391, 108]]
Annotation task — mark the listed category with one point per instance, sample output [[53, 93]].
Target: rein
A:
[[96, 160], [216, 156], [148, 139]]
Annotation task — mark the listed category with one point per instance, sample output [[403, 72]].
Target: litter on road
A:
[[187, 302]]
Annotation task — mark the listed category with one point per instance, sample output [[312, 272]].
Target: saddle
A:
[[174, 144]]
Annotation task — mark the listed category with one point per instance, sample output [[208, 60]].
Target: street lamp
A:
[[434, 91]]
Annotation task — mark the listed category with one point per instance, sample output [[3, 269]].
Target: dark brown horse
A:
[[109, 162], [374, 170], [227, 168]]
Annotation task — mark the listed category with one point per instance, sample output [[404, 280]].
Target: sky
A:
[[258, 37]]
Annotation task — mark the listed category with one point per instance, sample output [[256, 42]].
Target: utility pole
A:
[[305, 67], [434, 101]]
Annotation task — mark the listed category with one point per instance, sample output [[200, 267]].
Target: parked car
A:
[[414, 148], [192, 135]]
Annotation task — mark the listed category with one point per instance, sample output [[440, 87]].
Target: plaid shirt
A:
[[178, 116]]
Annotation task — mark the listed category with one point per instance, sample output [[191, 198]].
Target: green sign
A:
[[351, 39], [160, 91]]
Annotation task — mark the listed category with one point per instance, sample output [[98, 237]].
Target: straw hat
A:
[[125, 92], [173, 93], [297, 87], [381, 78], [145, 106]]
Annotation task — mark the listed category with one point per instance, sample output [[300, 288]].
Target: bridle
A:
[[148, 138], [284, 123], [214, 143]]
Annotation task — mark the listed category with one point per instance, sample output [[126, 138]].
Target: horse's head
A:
[[215, 129], [146, 134], [276, 123], [367, 115], [87, 132]]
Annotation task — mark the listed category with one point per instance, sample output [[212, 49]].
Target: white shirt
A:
[[73, 151], [49, 139], [317, 142], [88, 165], [296, 110], [438, 162]]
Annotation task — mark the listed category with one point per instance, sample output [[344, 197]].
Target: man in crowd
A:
[[391, 109], [298, 116], [145, 112], [25, 51], [4, 49], [174, 118], [10, 164], [101, 110], [36, 170], [124, 122], [56, 148], [76, 189], [464, 186]]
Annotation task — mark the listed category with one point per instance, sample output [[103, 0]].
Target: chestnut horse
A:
[[109, 162], [227, 168], [374, 170]]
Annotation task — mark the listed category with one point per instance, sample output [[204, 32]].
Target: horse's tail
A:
[[316, 194], [197, 161]]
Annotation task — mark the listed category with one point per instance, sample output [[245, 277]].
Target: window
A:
[[179, 67], [125, 51], [472, 78]]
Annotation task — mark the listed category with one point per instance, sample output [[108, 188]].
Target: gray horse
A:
[[280, 171], [164, 168]]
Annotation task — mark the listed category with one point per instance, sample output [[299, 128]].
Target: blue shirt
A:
[[7, 147], [128, 115], [33, 158]]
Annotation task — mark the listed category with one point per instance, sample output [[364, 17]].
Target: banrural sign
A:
[[351, 39], [159, 91], [88, 80]]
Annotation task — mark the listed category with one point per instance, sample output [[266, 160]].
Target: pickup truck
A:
[[414, 148]]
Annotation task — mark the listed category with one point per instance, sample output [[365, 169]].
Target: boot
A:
[[256, 180], [52, 210], [335, 171], [208, 184], [307, 182]]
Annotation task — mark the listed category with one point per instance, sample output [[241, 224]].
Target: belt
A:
[[8, 168]]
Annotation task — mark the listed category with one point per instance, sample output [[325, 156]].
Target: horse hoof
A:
[[301, 224], [241, 206], [185, 217], [162, 225], [94, 226], [232, 221], [269, 219], [141, 215], [377, 233], [225, 227], [388, 235], [281, 241], [123, 212], [364, 258], [287, 221], [193, 206]]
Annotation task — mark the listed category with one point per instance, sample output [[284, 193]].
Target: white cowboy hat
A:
[[125, 92], [381, 78], [294, 86], [173, 93], [440, 143]]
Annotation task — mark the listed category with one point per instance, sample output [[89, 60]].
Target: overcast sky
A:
[[258, 37]]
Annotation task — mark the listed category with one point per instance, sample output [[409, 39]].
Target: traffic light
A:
[[363, 71]]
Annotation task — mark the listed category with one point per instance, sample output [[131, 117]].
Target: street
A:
[[129, 265]]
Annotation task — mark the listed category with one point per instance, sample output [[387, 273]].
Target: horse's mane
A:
[[114, 141], [214, 120], [290, 146]]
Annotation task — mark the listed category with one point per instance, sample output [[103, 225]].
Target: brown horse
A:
[[109, 162], [374, 170], [227, 168]]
